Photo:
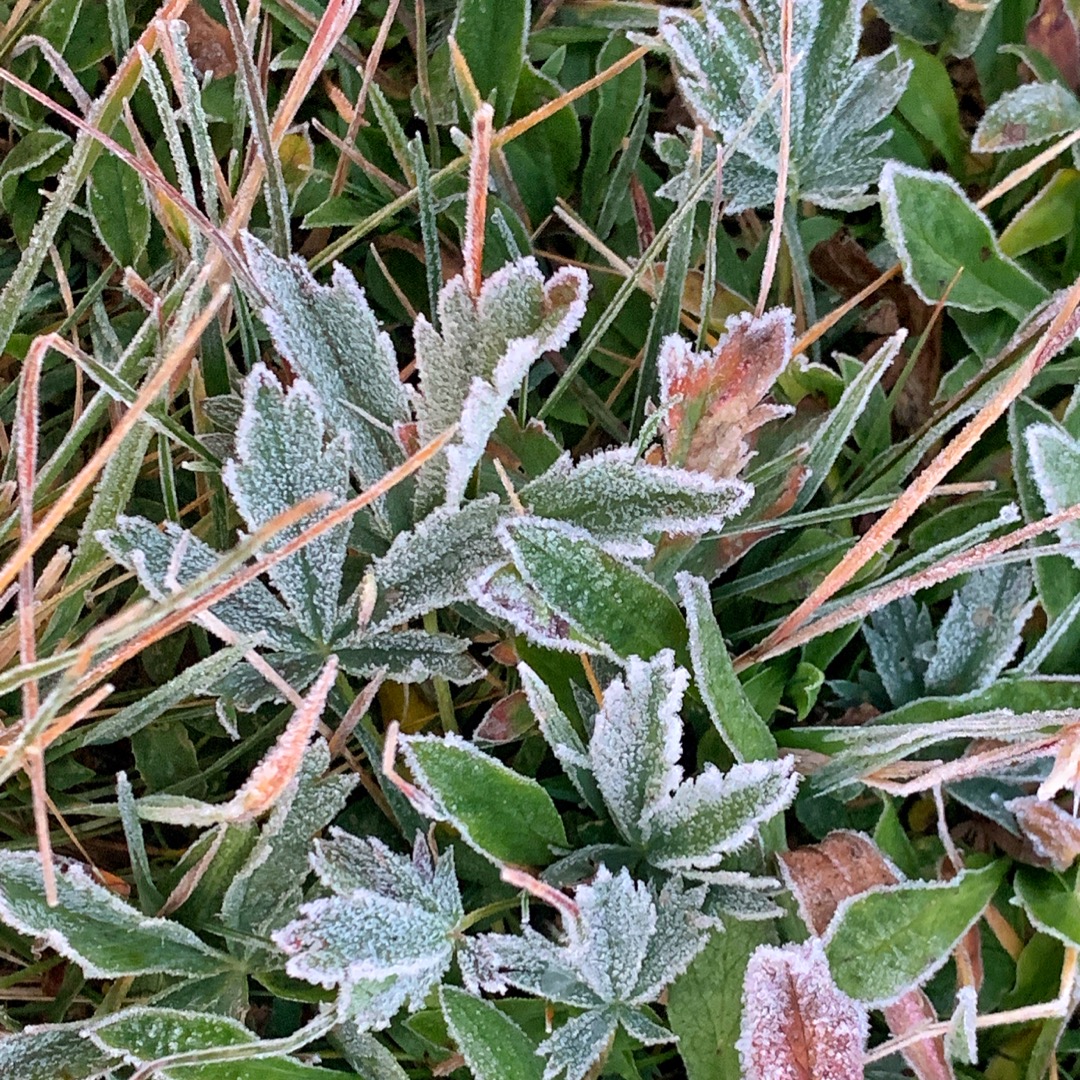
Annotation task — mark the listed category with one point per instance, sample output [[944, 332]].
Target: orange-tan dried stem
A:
[[476, 208]]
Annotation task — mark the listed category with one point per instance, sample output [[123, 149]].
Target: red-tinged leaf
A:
[[508, 720], [1054, 833], [1053, 32], [797, 1025], [713, 400], [845, 864], [209, 43]]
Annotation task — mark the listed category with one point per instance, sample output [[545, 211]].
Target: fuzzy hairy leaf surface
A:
[[494, 1047], [1027, 116], [163, 557], [618, 499], [726, 65], [282, 458], [94, 927], [331, 338], [502, 814], [383, 938], [53, 1052], [796, 1022], [471, 366]]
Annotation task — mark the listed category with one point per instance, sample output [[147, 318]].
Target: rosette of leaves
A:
[[667, 824], [726, 64], [284, 455], [624, 942], [385, 935]]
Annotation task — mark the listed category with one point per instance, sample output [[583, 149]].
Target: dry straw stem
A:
[[772, 251], [1063, 327], [476, 210]]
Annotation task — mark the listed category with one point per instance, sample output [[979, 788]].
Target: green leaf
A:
[[32, 156], [744, 732], [938, 233], [491, 34], [1027, 116], [493, 1046], [502, 814], [703, 1003], [149, 1034], [52, 1052], [1050, 215], [119, 208], [929, 105], [1050, 902], [887, 940], [603, 598], [95, 928]]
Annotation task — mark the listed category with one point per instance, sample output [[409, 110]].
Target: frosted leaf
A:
[[1053, 832], [151, 552], [330, 337], [1055, 464], [608, 943], [619, 499], [981, 630], [93, 927], [501, 592], [637, 739], [270, 885], [961, 1042], [531, 963], [1027, 116], [408, 656], [796, 1022], [725, 66], [681, 933], [53, 1052], [901, 640], [430, 566], [713, 401], [573, 1049], [386, 942], [483, 343], [564, 741], [282, 460], [742, 903], [245, 688], [647, 1032], [717, 813], [927, 1058]]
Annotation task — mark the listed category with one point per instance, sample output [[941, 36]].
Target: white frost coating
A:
[[796, 1022], [574, 1048], [961, 1040], [1026, 116], [637, 740], [894, 228], [618, 498], [1055, 467], [716, 813]]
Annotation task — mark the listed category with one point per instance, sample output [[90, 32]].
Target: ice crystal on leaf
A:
[[470, 367], [383, 938], [796, 1022], [632, 761], [726, 65], [624, 945]]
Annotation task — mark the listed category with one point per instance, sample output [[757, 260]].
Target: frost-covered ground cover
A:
[[541, 541]]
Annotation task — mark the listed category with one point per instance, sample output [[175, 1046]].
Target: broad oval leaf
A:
[[796, 1021], [938, 233], [1050, 902], [887, 940], [491, 35], [502, 814], [1027, 116]]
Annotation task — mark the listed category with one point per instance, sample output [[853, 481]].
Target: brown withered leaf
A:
[[209, 43], [845, 864], [713, 401], [1053, 31], [797, 1024], [842, 264], [1054, 833]]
